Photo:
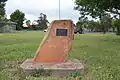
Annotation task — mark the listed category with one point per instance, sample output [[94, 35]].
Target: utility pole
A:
[[59, 10]]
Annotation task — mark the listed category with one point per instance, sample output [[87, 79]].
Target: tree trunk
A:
[[113, 29], [118, 31], [103, 30], [118, 28]]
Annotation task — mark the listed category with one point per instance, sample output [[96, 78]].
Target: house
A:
[[7, 26]]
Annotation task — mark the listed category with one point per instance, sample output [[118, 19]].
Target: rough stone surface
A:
[[57, 42], [57, 69]]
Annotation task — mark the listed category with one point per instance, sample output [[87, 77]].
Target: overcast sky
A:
[[32, 8]]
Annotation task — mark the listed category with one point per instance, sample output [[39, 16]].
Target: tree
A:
[[42, 21], [82, 23], [91, 25], [18, 17], [2, 9], [28, 22], [98, 8], [106, 23], [89, 7], [116, 23], [79, 27]]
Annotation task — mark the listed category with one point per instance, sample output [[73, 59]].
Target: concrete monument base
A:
[[53, 69]]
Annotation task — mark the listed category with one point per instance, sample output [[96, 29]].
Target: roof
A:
[[9, 22]]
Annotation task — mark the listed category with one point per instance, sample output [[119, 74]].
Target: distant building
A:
[[7, 26]]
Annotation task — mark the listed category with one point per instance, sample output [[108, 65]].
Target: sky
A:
[[33, 8]]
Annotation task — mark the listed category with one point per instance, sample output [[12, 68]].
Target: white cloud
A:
[[32, 8]]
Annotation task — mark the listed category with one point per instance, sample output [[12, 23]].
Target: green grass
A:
[[100, 54]]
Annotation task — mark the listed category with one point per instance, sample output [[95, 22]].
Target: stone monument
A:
[[52, 53]]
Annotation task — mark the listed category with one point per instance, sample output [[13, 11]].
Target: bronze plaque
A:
[[61, 32]]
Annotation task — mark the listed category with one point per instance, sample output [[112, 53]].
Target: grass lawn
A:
[[100, 53]]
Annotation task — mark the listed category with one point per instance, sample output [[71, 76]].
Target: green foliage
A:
[[79, 26], [97, 8], [41, 72], [82, 23], [77, 74], [106, 23], [2, 9], [116, 23], [28, 22], [18, 17], [3, 18], [2, 12], [103, 25], [91, 25], [94, 26], [42, 22]]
